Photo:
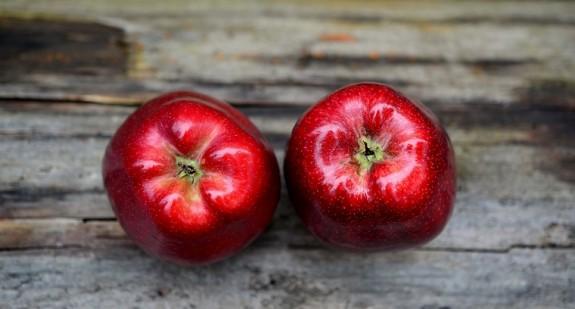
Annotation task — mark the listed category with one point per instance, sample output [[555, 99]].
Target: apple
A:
[[190, 178], [369, 169]]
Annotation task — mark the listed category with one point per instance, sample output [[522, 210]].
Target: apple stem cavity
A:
[[188, 169], [368, 153]]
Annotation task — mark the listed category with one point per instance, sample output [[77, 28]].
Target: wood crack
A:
[[382, 59], [27, 194], [506, 250], [312, 247]]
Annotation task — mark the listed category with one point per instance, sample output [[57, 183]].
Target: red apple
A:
[[190, 178], [367, 168]]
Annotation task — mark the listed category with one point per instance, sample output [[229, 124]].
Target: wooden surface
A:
[[500, 76]]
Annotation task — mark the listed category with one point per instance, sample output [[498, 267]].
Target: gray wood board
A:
[[272, 277], [499, 76], [453, 52], [510, 194]]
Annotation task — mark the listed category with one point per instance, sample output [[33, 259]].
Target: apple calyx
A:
[[368, 153], [188, 169]]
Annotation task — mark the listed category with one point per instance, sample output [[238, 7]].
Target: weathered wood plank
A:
[[530, 123], [45, 46], [510, 192], [235, 49], [254, 59], [40, 233], [499, 76], [530, 12], [110, 91], [54, 202], [270, 278]]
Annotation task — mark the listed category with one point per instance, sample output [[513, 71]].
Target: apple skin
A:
[[369, 169], [190, 178]]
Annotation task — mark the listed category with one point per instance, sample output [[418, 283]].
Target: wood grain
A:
[[508, 189], [44, 46], [498, 75], [288, 278], [224, 50]]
